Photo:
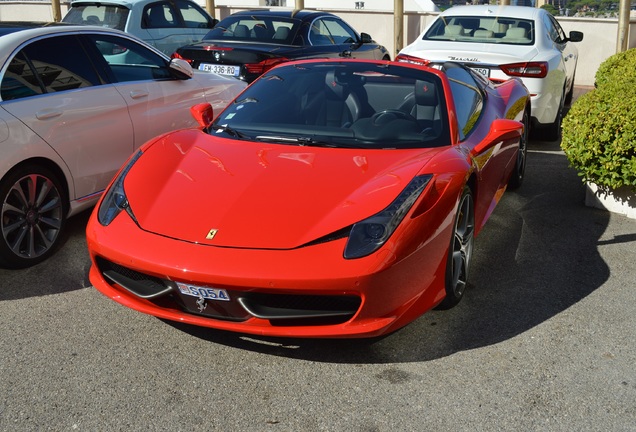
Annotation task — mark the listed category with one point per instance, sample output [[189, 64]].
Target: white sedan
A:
[[507, 41], [75, 104]]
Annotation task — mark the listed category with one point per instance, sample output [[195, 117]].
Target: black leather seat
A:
[[423, 104], [332, 105]]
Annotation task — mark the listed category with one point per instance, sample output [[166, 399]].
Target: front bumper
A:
[[306, 292]]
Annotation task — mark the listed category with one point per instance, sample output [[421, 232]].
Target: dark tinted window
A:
[[48, 65], [129, 61], [159, 15], [466, 96], [343, 105]]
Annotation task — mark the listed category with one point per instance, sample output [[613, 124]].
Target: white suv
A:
[[165, 24]]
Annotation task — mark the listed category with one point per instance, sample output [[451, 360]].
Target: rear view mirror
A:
[[575, 36], [181, 68], [203, 114], [365, 38]]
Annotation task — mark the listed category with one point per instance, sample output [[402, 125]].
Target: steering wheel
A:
[[387, 115]]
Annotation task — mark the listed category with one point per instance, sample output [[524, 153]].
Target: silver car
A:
[[75, 103], [164, 24]]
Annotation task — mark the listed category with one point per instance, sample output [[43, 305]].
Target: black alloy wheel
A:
[[461, 250], [32, 217]]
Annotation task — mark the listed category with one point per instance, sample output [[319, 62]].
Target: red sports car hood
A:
[[222, 192]]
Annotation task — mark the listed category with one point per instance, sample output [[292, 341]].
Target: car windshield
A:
[[97, 14], [335, 104], [494, 30], [255, 29]]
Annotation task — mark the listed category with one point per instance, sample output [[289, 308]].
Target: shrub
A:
[[599, 132], [616, 68]]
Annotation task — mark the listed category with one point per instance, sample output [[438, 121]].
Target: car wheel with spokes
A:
[[32, 217], [461, 250]]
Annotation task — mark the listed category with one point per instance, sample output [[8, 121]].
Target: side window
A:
[[48, 65], [340, 33], [552, 30], [193, 15], [319, 34], [558, 31], [159, 15], [129, 61], [467, 98]]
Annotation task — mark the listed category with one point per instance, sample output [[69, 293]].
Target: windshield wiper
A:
[[228, 130], [301, 141]]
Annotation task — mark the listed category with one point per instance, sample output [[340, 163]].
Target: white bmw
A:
[[507, 41]]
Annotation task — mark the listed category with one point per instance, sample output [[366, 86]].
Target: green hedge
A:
[[599, 131], [616, 68]]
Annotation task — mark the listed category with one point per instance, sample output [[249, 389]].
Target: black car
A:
[[247, 44]]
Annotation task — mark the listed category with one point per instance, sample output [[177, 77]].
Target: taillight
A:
[[411, 59], [526, 69], [264, 66], [176, 55]]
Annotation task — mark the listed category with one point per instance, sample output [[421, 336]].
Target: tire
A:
[[553, 131], [570, 95], [461, 251], [32, 217], [516, 178]]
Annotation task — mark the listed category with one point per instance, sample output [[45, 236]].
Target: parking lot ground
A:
[[544, 340]]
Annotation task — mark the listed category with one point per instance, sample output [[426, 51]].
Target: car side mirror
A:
[[365, 38], [203, 114], [500, 130], [575, 36], [181, 69]]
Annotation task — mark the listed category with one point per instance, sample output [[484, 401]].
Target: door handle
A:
[[137, 94], [345, 53], [48, 113]]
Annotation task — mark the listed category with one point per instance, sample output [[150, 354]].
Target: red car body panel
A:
[[270, 204], [188, 165]]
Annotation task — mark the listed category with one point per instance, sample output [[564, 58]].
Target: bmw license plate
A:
[[203, 292], [229, 70], [484, 71]]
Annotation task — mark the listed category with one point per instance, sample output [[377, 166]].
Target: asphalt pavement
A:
[[544, 340]]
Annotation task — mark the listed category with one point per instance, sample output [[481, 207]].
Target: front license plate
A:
[[220, 69], [205, 292], [484, 71]]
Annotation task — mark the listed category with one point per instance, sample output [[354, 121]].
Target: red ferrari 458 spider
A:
[[332, 198]]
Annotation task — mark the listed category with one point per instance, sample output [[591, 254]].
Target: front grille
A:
[[140, 284], [288, 308]]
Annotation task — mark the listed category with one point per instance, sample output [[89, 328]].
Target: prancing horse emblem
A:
[[211, 234], [201, 304]]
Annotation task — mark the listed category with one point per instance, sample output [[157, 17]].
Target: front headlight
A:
[[115, 197], [368, 235]]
